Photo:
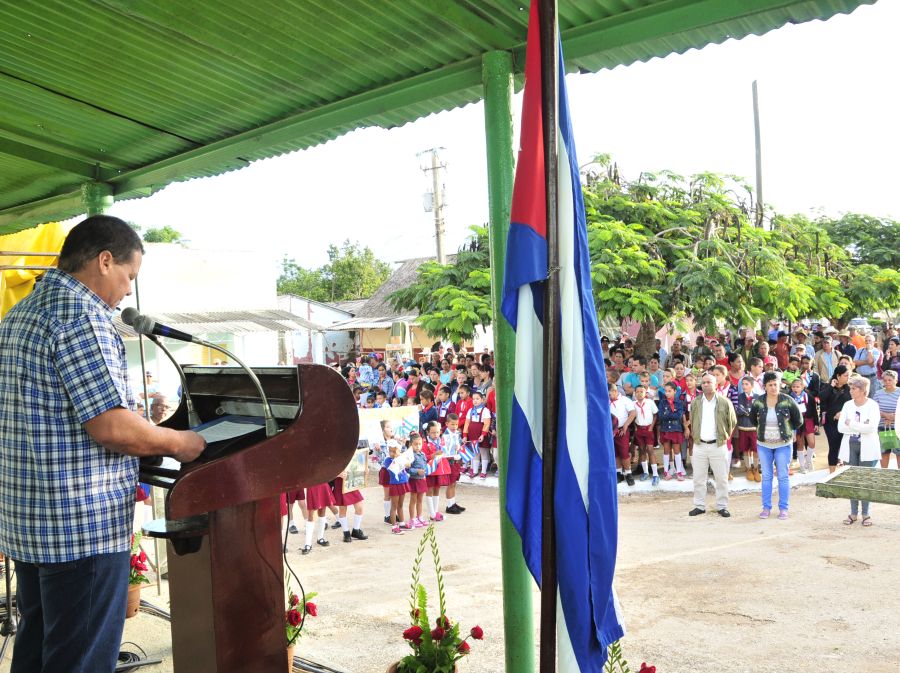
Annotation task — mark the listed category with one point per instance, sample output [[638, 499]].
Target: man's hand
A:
[[191, 448]]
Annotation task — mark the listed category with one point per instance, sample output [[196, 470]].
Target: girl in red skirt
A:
[[288, 500], [477, 429], [345, 500], [746, 429], [397, 488], [384, 480], [318, 498], [417, 486], [673, 428], [440, 474]]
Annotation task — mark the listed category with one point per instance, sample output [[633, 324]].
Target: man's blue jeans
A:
[[780, 457], [72, 614]]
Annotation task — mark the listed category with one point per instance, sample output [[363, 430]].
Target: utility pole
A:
[[759, 188], [437, 200]]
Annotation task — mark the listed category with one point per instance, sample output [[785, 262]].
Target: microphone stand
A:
[[271, 423], [193, 416]]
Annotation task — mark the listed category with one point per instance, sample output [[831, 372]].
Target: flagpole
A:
[[549, 107]]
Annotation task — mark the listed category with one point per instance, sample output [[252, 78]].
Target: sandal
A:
[[867, 521], [850, 520]]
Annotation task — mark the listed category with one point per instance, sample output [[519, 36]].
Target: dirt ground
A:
[[700, 595]]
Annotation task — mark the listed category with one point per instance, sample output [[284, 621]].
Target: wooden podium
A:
[[222, 525]]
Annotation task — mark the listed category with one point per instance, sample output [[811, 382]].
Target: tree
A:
[[664, 248], [164, 234], [869, 240], [352, 272], [452, 299]]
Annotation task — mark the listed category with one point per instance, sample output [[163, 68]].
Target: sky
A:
[[828, 105]]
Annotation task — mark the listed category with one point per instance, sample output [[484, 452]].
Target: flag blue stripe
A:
[[526, 262], [524, 470]]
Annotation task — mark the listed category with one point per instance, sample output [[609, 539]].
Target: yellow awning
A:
[[18, 282]]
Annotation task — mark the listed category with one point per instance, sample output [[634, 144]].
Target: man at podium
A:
[[69, 448]]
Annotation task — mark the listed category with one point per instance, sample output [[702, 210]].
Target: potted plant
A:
[[295, 617], [616, 663], [435, 649], [137, 577]]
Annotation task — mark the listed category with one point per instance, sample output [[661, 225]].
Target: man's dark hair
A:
[[640, 359], [92, 236], [771, 376]]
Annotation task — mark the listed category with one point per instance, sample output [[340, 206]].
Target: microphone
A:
[[144, 324], [129, 316], [149, 327]]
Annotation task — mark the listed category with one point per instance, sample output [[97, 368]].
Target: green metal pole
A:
[[518, 616], [97, 197]]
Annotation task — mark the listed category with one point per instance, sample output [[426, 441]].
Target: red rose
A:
[[294, 617], [443, 622], [464, 647], [312, 610], [477, 633], [647, 669], [143, 556], [294, 599], [413, 633], [438, 634]]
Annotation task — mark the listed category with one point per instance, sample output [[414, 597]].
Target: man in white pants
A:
[[712, 422]]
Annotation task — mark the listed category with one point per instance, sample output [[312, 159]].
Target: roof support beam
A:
[[77, 167]]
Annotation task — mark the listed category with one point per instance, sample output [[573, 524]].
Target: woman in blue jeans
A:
[[776, 417]]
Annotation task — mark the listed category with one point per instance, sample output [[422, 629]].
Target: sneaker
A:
[[782, 515], [452, 509], [417, 523], [645, 476], [619, 477], [387, 520], [735, 463], [459, 508], [655, 480], [293, 529], [425, 522], [483, 475], [765, 514], [396, 530], [629, 478], [667, 476], [347, 537], [335, 525], [358, 534], [306, 549], [438, 517], [408, 525], [322, 542], [680, 476]]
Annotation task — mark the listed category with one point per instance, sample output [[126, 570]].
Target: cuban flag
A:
[[585, 491], [467, 451], [431, 466]]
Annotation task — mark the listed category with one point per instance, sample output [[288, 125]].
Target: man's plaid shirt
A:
[[62, 363]]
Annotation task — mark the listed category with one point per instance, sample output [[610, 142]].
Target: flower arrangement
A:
[[434, 650], [136, 575], [295, 615]]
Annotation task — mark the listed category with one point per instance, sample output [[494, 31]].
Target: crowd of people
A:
[[455, 402], [755, 401]]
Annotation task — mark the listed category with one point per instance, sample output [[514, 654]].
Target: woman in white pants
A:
[[858, 423]]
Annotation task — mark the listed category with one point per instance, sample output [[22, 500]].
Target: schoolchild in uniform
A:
[[806, 434], [417, 486], [673, 429], [445, 406], [318, 498], [451, 440], [477, 429], [464, 403], [645, 420], [440, 475], [427, 411], [746, 437], [384, 480], [399, 487], [343, 500], [622, 413], [288, 500]]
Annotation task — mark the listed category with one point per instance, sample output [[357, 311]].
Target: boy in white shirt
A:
[[622, 414], [644, 420]]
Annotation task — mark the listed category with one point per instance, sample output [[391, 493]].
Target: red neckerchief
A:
[[671, 404]]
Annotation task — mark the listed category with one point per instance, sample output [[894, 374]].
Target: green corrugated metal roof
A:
[[141, 93]]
